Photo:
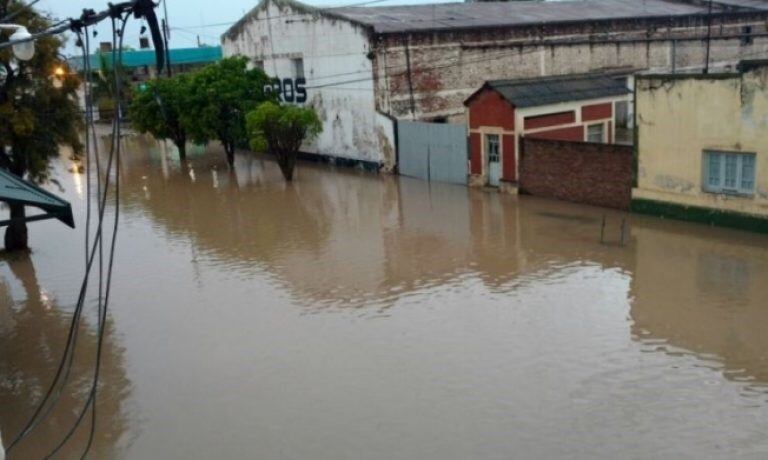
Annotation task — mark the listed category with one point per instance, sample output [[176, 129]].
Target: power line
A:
[[281, 16], [50, 399], [23, 7]]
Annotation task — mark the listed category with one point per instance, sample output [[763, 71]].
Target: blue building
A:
[[142, 64]]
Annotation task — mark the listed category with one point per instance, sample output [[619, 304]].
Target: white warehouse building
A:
[[323, 62], [364, 68]]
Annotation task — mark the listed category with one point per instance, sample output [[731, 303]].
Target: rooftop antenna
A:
[[709, 37]]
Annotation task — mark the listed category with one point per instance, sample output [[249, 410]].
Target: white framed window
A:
[[298, 67], [596, 133], [729, 172], [492, 147]]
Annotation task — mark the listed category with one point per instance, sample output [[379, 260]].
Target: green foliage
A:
[[221, 94], [104, 88], [281, 129], [160, 106], [37, 112]]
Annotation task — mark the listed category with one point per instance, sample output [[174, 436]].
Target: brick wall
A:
[[448, 66], [596, 174]]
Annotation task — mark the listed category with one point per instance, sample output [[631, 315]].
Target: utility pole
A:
[[709, 37], [167, 37]]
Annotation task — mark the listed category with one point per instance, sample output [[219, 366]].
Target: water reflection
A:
[[351, 239], [704, 293], [348, 239], [349, 315], [33, 331]]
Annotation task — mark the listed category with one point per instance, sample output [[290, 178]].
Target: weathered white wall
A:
[[338, 73]]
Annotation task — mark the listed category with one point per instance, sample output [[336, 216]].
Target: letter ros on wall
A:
[[288, 89]]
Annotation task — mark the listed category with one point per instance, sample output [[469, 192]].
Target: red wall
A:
[[574, 133], [489, 109], [596, 174], [555, 119], [476, 159], [596, 111], [508, 163]]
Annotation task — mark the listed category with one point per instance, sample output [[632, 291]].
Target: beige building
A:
[[702, 146]]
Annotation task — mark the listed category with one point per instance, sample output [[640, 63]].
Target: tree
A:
[[159, 107], [221, 94], [37, 113], [104, 92], [281, 129]]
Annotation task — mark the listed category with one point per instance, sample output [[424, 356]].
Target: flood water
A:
[[364, 317]]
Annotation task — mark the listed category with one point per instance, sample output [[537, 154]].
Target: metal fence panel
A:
[[412, 140], [433, 151]]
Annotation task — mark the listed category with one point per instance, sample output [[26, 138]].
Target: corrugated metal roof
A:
[[16, 190], [553, 90], [389, 19], [139, 58], [386, 19], [750, 4]]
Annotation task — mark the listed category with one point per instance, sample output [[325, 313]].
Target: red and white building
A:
[[573, 108]]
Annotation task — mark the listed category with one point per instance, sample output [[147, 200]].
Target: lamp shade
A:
[[26, 50]]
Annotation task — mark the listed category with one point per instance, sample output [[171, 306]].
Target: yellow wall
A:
[[678, 118]]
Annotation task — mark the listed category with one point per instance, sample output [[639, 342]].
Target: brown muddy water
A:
[[355, 316]]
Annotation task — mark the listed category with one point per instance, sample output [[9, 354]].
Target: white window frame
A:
[[602, 132], [488, 147], [721, 158]]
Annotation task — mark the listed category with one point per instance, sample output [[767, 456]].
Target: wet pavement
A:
[[365, 317]]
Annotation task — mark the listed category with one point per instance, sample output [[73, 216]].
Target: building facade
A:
[[503, 112], [364, 67], [702, 146], [142, 63]]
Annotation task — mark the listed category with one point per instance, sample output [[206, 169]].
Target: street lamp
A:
[[24, 50]]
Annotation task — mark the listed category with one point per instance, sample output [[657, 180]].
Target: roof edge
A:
[[703, 15], [236, 28]]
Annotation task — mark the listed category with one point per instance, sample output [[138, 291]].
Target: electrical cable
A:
[[104, 303], [10, 16], [138, 7]]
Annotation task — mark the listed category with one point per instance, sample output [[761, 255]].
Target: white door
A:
[[493, 158]]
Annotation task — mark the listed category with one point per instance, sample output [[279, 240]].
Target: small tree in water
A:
[[37, 113], [221, 94], [281, 129], [159, 107]]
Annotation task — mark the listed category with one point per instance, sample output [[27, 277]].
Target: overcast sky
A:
[[187, 18]]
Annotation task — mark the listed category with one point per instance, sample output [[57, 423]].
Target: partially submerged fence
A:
[[433, 151]]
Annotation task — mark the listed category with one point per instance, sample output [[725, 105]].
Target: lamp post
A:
[[24, 50]]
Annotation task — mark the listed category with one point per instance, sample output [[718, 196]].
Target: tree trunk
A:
[[181, 144], [287, 163], [16, 237], [229, 149]]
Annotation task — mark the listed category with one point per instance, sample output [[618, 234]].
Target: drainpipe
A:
[[674, 56], [408, 74], [709, 37]]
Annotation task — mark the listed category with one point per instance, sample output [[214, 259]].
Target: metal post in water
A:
[[621, 237], [602, 230]]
